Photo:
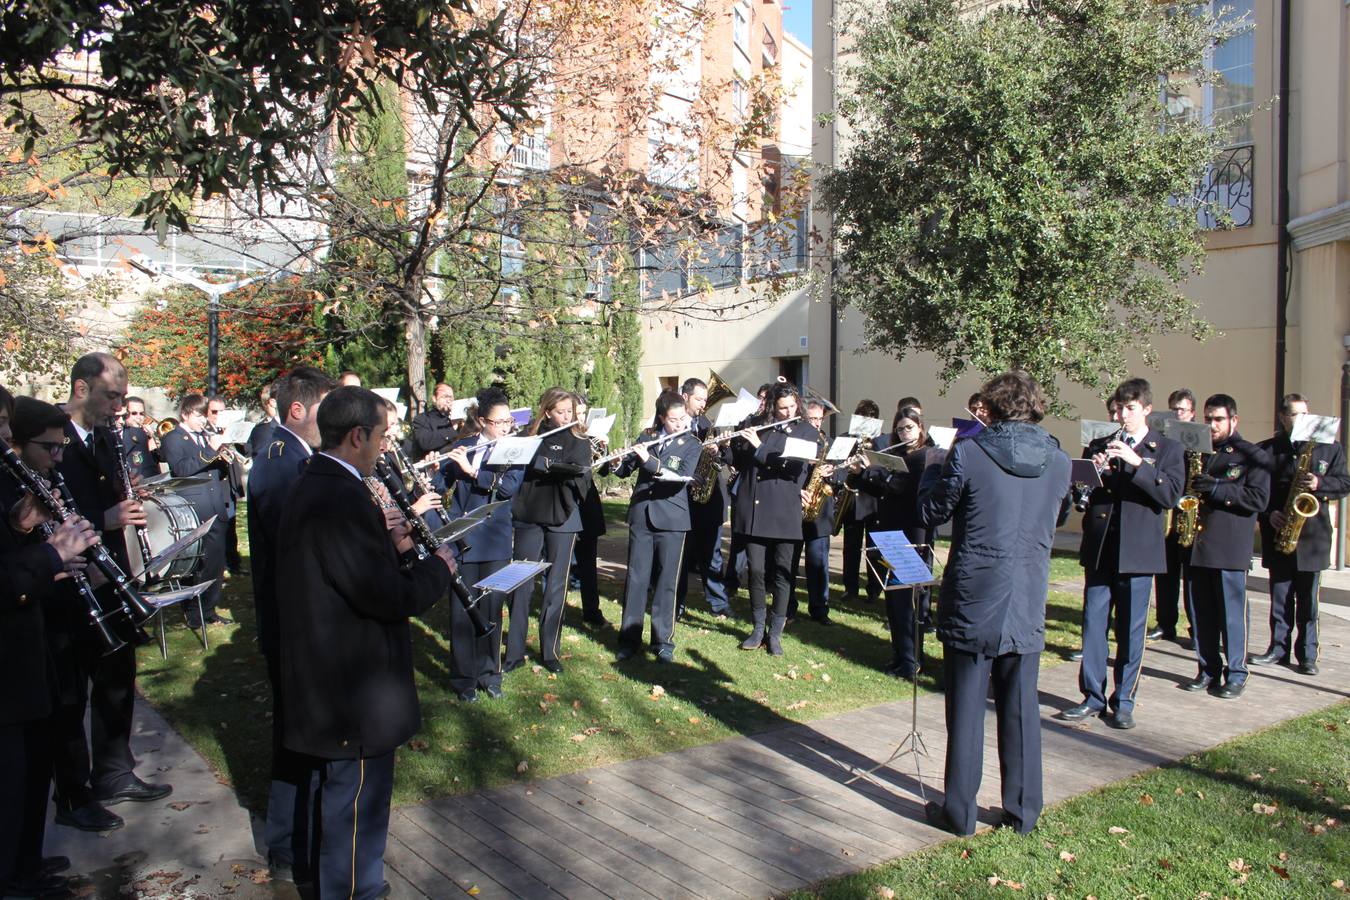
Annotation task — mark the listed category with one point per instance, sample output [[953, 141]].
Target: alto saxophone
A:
[[706, 474], [818, 490], [1187, 517], [1300, 507]]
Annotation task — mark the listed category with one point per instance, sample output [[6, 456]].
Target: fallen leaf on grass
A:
[[522, 766], [1264, 809], [1179, 792], [825, 677], [578, 738], [1339, 884], [418, 744], [1280, 871], [1242, 868], [1200, 795], [800, 704], [1066, 856], [657, 692], [1145, 799], [550, 698], [882, 891], [1165, 863], [965, 854], [694, 720], [995, 881], [1116, 829]]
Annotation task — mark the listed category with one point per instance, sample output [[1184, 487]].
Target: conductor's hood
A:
[[1019, 448]]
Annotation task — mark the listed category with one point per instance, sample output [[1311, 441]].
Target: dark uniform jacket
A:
[[275, 471], [28, 565], [261, 437], [432, 431], [490, 541], [769, 501], [1123, 524], [1228, 514], [555, 481], [1003, 490], [893, 496], [346, 648], [662, 505], [141, 460], [93, 482], [184, 457], [1313, 553]]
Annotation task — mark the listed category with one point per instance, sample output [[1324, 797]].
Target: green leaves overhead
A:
[[1009, 196]]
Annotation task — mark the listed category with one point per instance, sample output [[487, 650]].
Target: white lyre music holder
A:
[[899, 566]]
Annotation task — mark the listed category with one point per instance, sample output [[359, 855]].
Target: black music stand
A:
[[912, 742], [165, 599], [509, 577]]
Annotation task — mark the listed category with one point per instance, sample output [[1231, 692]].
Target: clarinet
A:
[[135, 608], [427, 543], [97, 617], [419, 480], [129, 493]]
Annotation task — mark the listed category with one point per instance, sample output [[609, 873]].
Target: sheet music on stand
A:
[[169, 598], [467, 522], [907, 568], [511, 576]]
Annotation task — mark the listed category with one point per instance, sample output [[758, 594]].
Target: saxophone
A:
[[818, 490], [1187, 517], [1300, 507], [706, 474]]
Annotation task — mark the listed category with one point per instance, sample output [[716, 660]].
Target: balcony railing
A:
[[1227, 185]]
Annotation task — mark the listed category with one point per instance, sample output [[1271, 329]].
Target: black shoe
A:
[[1077, 713], [936, 816], [512, 666], [494, 691], [1198, 683], [384, 891], [849, 598], [90, 817], [1307, 668], [468, 697], [1075, 656], [624, 653], [1121, 720], [594, 617], [37, 886], [280, 871], [680, 611], [1186, 643], [822, 619], [218, 619], [1229, 691], [54, 865], [1161, 634], [136, 791], [1269, 658], [665, 656], [553, 666], [755, 640]]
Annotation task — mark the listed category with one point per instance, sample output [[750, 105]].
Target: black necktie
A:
[[89, 442]]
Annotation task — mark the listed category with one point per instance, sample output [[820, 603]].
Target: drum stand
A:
[[912, 743]]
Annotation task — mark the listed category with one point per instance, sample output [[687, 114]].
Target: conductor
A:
[[346, 649], [1003, 490]]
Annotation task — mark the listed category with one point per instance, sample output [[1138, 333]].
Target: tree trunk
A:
[[415, 330]]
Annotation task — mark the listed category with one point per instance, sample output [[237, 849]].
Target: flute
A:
[[644, 444]]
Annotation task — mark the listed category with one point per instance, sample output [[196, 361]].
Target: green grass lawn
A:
[[1263, 816], [597, 712]]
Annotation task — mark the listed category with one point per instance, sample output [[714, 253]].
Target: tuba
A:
[[718, 390], [1299, 507]]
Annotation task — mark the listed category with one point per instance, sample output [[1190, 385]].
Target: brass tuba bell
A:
[[718, 390]]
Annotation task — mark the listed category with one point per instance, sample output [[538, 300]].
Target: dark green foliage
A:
[[1008, 198]]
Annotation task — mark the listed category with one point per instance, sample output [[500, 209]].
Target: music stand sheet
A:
[[799, 448], [513, 451], [1193, 436], [512, 576], [864, 426], [1091, 429], [886, 460], [601, 426], [907, 567], [942, 436], [169, 598], [841, 449], [1084, 471], [464, 524], [1318, 429]]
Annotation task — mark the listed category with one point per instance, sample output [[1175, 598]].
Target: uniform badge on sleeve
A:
[[1233, 472], [1322, 467]]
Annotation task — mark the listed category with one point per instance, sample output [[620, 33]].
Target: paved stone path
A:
[[752, 816]]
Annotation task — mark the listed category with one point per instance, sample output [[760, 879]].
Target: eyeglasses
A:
[[500, 421], [52, 447]]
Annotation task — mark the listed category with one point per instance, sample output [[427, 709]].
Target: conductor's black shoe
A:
[[468, 697], [1307, 668], [624, 653], [37, 886], [53, 865], [1075, 656], [1269, 658], [1122, 720], [665, 656], [1075, 713], [1160, 634], [1198, 683], [90, 817], [553, 666], [135, 791], [494, 691], [1229, 691]]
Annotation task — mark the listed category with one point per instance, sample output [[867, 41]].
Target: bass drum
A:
[[169, 518]]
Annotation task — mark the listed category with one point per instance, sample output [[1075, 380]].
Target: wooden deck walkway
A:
[[761, 815]]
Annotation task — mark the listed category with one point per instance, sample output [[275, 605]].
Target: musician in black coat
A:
[[346, 646], [432, 429], [893, 497], [30, 562], [816, 532], [546, 516], [703, 546], [141, 450], [188, 450], [1003, 490], [861, 506], [288, 829], [658, 521], [260, 438], [1295, 577], [476, 662], [95, 770], [1233, 489], [586, 552], [769, 511], [1123, 549], [1170, 594]]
